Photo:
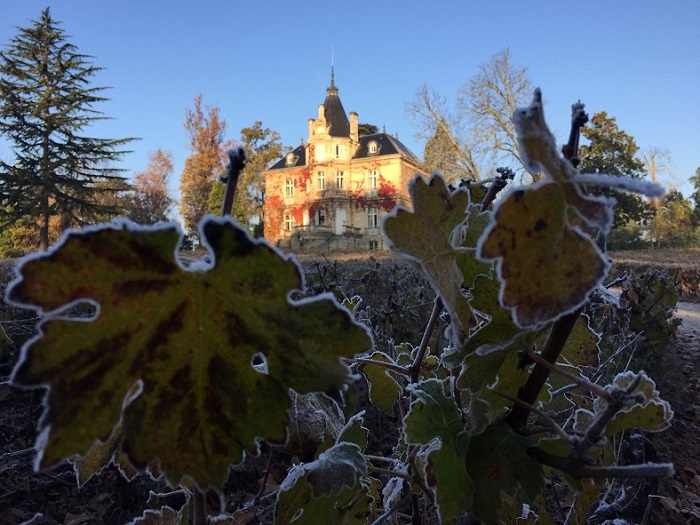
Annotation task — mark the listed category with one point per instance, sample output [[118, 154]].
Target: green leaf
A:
[[652, 413], [498, 459], [354, 432], [186, 337], [434, 416], [316, 492], [547, 267], [384, 389], [426, 236]]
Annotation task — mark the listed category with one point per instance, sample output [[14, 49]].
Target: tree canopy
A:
[[478, 134], [612, 151], [47, 104], [149, 201], [206, 129]]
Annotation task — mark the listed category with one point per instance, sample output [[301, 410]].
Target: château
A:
[[332, 192]]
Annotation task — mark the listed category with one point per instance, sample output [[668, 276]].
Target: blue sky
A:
[[270, 61]]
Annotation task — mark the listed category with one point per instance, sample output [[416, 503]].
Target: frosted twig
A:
[[583, 383]]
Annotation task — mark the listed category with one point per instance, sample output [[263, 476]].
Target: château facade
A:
[[332, 192]]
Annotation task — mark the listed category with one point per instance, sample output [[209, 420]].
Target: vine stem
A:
[[578, 469], [517, 417], [392, 473], [562, 327], [199, 506], [553, 424], [389, 366], [415, 367], [233, 172], [583, 383]]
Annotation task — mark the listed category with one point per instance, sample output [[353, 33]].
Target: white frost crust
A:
[[627, 184], [530, 125]]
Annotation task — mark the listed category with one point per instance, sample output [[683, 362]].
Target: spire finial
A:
[[332, 68]]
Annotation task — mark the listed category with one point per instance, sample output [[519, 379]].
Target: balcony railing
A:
[[313, 228]]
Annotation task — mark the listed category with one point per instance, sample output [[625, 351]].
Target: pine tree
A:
[[206, 129], [46, 106], [441, 155]]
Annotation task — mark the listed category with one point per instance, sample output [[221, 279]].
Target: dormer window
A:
[[291, 159], [372, 148]]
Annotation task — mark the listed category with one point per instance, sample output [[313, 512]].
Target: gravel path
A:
[[690, 313]]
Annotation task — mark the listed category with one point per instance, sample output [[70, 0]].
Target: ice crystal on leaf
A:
[[186, 337]]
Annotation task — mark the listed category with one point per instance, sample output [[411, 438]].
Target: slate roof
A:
[[299, 153], [386, 145], [336, 118]]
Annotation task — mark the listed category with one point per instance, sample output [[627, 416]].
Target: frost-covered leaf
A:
[[497, 458], [164, 516], [653, 414], [548, 268], [187, 337], [99, 455], [317, 492], [355, 432], [314, 419], [384, 389], [537, 145], [434, 421], [426, 235]]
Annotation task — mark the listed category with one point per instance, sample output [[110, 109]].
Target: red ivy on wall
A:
[[385, 199]]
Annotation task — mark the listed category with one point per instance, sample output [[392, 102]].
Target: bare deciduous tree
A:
[[479, 132]]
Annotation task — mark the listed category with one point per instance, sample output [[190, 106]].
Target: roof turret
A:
[[336, 118]]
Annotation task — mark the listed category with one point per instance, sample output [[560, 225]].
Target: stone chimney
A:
[[321, 112], [354, 136], [311, 128]]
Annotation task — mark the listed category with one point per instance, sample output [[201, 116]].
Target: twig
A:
[[415, 368], [381, 519], [265, 476], [233, 172], [555, 426], [389, 366], [393, 473], [500, 182], [199, 506], [579, 470], [618, 399], [583, 383]]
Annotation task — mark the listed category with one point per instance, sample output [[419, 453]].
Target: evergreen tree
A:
[[440, 154], [46, 104], [366, 129], [611, 151], [206, 129]]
